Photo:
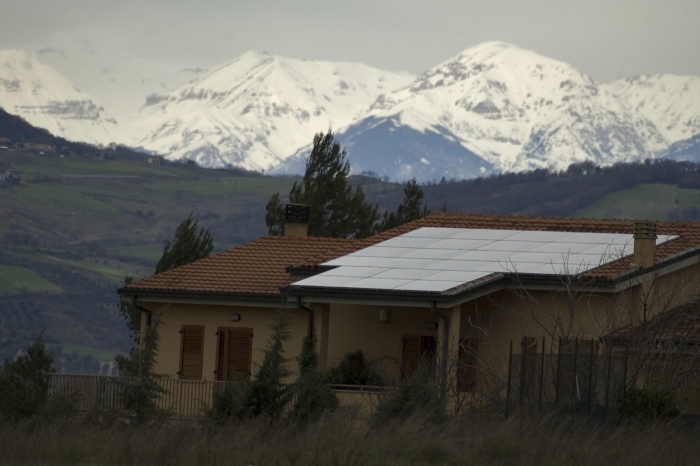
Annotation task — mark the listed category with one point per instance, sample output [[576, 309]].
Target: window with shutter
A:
[[234, 350], [191, 350], [417, 349], [467, 361]]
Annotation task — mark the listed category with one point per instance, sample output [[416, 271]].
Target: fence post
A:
[[624, 381], [510, 365], [590, 375], [556, 388], [539, 403], [522, 373], [607, 377], [575, 374]]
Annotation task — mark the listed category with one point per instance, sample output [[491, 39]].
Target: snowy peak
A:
[[518, 110], [259, 109], [38, 93]]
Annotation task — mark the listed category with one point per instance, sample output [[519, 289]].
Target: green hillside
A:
[[77, 226], [15, 279], [645, 201]]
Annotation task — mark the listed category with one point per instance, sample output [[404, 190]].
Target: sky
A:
[[607, 39]]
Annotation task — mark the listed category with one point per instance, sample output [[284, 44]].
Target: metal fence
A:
[[184, 398], [579, 376]]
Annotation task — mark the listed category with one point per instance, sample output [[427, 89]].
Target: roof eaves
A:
[[194, 294]]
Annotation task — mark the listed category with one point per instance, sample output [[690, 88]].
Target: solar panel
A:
[[437, 259]]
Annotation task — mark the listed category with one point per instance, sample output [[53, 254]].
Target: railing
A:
[[184, 398]]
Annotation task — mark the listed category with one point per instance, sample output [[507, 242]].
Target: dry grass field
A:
[[344, 438]]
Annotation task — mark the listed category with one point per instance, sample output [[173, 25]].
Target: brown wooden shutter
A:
[[234, 351], [191, 350], [239, 352], [467, 365], [221, 337]]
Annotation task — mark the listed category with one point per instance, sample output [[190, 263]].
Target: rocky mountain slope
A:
[[38, 93]]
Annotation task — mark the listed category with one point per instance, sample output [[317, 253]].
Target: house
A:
[[155, 160], [13, 175], [37, 147], [453, 289]]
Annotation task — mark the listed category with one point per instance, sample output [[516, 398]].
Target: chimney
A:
[[296, 220], [644, 243]]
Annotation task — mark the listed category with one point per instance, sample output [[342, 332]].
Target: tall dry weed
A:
[[346, 438]]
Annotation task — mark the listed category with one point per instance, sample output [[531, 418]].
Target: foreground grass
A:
[[345, 439]]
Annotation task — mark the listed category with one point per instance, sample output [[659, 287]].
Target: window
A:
[[234, 349], [191, 349], [467, 365], [417, 349]]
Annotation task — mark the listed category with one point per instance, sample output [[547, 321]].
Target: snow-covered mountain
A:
[[671, 103], [492, 108], [38, 93], [259, 109], [120, 81], [513, 108]]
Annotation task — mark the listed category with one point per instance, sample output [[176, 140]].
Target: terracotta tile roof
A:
[[259, 267], [676, 326]]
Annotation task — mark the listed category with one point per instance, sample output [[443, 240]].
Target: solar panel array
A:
[[437, 259]]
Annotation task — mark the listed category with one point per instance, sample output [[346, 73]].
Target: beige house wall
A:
[[357, 327], [494, 320], [211, 317]]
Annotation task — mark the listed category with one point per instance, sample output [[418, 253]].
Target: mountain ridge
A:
[[492, 108]]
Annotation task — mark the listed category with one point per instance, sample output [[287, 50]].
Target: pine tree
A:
[[336, 211], [188, 246], [274, 218], [410, 209]]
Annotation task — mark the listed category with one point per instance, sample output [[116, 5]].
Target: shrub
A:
[[650, 405], [418, 395], [353, 369], [24, 387], [142, 391], [313, 395], [227, 403]]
